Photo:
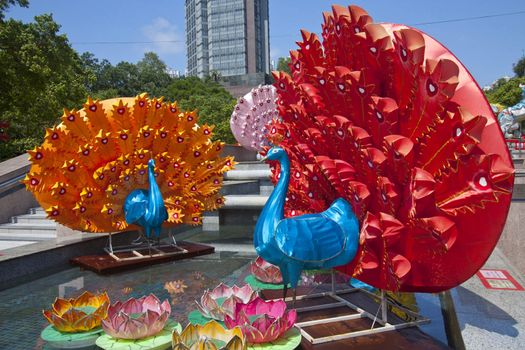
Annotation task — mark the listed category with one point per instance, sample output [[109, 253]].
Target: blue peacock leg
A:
[[139, 240]]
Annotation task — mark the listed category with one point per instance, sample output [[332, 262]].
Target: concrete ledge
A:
[[32, 261], [14, 199], [40, 259], [14, 167]]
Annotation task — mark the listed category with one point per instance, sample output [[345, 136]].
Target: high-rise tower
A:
[[227, 36]]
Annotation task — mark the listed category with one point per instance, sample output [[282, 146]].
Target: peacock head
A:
[[275, 153], [151, 164]]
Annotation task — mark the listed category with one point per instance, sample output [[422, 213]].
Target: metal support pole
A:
[[110, 242], [450, 320], [172, 237], [384, 310]]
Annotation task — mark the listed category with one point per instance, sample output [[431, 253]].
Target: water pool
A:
[[21, 319]]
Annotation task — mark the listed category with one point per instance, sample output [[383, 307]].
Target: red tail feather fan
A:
[[386, 117]]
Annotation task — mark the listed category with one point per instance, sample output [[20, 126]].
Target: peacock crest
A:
[[387, 118], [96, 156]]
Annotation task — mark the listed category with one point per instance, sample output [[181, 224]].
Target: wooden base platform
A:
[[106, 264], [407, 338]]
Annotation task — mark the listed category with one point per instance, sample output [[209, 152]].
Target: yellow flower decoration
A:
[[197, 337], [80, 314]]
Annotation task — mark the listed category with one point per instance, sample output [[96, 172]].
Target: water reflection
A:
[[21, 319]]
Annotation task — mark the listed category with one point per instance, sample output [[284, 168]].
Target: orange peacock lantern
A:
[[97, 156]]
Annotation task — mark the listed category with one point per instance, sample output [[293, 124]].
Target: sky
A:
[[487, 47]]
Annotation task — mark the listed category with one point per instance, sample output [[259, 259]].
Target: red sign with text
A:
[[498, 279]]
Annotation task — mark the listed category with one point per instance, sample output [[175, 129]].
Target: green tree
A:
[[97, 73], [4, 4], [519, 67], [125, 79], [283, 64], [213, 102], [215, 76], [506, 92], [39, 73], [153, 74]]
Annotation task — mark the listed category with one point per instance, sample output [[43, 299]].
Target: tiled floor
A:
[[491, 319]]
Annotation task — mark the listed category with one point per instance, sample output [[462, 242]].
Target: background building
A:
[[230, 37]]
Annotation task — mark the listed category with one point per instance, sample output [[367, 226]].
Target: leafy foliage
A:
[[17, 146], [506, 92], [283, 64], [39, 73], [125, 79], [4, 4], [519, 67], [212, 101]]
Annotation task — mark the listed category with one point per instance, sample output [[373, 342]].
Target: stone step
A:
[[19, 237], [37, 210], [255, 174], [244, 202], [30, 219], [251, 166], [28, 232], [236, 187]]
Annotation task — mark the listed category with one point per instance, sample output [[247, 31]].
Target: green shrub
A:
[[16, 147]]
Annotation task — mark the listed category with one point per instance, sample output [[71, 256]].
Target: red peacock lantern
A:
[[386, 117]]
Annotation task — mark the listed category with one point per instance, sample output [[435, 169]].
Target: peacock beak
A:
[[263, 159]]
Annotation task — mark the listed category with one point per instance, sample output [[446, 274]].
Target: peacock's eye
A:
[[431, 87], [481, 181]]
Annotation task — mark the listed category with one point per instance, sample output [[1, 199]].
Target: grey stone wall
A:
[[14, 199]]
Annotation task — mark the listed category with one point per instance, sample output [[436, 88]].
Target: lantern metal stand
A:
[[138, 247], [358, 312]]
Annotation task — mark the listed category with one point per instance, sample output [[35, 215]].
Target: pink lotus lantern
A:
[[222, 300], [266, 272], [262, 321], [137, 318]]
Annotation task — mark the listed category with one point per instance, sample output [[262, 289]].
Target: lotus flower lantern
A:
[[262, 321], [207, 336], [137, 318], [80, 314], [223, 299], [266, 272]]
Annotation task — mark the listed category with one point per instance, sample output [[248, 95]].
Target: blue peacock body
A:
[[146, 208], [311, 241]]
